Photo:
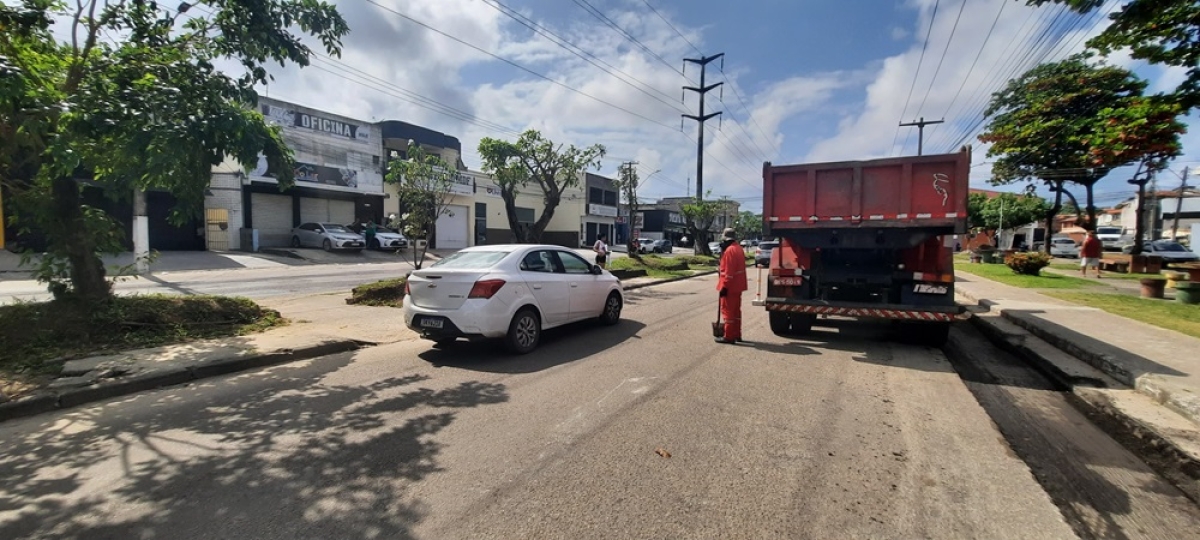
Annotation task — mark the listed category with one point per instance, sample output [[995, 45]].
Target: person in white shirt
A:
[[601, 249]]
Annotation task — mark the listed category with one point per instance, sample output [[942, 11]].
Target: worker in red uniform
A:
[[1089, 254], [731, 283]]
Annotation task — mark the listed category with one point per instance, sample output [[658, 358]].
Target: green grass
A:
[[1005, 275], [38, 337], [1069, 267], [387, 293], [665, 267], [1161, 313]]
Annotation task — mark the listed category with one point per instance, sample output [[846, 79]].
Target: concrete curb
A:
[[66, 398], [1180, 402], [636, 286], [1091, 395]]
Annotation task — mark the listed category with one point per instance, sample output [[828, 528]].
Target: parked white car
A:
[[509, 292], [388, 239], [1064, 247], [329, 236]]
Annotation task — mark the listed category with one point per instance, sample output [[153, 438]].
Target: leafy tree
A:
[[533, 159], [1071, 122], [975, 202], [1009, 210], [627, 186], [749, 224], [700, 215], [1159, 31], [423, 182], [131, 100]]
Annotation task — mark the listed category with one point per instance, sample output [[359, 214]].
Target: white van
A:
[[1110, 237]]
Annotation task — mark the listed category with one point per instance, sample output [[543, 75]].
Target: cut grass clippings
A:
[[38, 337], [1005, 275], [665, 267], [387, 293], [1181, 318]]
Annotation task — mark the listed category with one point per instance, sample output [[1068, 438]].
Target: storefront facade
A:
[[338, 179]]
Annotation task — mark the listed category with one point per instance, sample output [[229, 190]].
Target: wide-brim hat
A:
[[729, 233]]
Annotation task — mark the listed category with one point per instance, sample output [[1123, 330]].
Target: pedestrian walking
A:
[[731, 283], [1089, 254], [601, 249]]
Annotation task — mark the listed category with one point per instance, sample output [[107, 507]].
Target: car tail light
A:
[[407, 288], [486, 288]]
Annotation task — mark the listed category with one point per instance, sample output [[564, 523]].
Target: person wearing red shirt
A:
[[1089, 254], [731, 283]]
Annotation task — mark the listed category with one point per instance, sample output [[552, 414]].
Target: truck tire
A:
[[935, 335], [781, 323]]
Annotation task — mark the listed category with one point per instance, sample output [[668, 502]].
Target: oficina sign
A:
[[336, 128]]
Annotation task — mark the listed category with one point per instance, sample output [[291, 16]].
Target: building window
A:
[[525, 215], [595, 196], [610, 198]]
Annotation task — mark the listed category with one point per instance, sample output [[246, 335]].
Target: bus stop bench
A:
[[1114, 265]]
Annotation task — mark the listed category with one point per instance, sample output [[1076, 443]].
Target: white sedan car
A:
[[511, 292]]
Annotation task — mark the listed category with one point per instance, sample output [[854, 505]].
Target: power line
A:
[[938, 70], [588, 7], [664, 19], [1003, 4], [516, 65], [747, 110], [920, 61]]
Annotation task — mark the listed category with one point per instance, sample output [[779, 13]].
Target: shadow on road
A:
[[559, 346], [289, 458]]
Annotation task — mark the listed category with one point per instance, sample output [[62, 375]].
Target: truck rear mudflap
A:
[[868, 311]]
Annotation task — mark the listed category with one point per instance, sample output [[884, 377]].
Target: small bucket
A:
[[718, 329]]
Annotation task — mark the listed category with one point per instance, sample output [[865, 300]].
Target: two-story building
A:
[[601, 212], [338, 179], [453, 229]]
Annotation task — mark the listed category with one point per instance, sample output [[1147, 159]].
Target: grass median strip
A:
[[665, 267], [1181, 318], [38, 337], [1005, 275]]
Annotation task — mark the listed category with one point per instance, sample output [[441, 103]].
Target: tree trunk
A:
[[1139, 229], [1058, 193], [1091, 206], [539, 227], [510, 212], [75, 241]]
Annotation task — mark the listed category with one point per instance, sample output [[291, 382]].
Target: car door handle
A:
[[538, 287], [573, 285]]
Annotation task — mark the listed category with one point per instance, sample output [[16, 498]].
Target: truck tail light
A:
[[486, 289]]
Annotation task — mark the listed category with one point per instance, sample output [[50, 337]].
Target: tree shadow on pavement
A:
[[278, 454], [559, 346]]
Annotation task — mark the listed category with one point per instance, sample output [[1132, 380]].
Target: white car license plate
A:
[[431, 323], [788, 281]]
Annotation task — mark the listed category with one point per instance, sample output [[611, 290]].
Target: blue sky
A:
[[815, 80]]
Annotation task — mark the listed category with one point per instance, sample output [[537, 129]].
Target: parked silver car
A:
[[328, 236], [1170, 251], [1064, 247]]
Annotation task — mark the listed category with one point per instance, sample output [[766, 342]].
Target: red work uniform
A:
[[732, 279]]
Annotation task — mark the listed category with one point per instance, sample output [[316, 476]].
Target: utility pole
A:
[[629, 185], [1179, 204], [141, 233], [921, 131], [1139, 228], [701, 118]]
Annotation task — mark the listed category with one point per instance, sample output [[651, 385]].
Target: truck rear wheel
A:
[[927, 334], [781, 323]]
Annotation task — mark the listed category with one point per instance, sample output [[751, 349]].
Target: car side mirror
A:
[[596, 270]]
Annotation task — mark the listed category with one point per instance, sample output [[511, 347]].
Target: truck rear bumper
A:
[[868, 311]]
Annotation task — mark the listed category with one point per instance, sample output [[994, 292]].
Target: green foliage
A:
[[698, 260], [423, 182], [534, 159], [131, 99], [1015, 210], [627, 183], [749, 225], [700, 214], [387, 292], [1005, 275], [1163, 32], [38, 336], [1073, 121], [1028, 264]]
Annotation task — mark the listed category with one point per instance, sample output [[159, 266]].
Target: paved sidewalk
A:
[[1159, 363]]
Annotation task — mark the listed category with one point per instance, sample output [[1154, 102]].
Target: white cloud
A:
[[900, 34]]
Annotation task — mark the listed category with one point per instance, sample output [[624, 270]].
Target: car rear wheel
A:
[[524, 332], [326, 245], [295, 241], [612, 310]]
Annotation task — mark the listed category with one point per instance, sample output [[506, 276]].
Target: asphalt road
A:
[[845, 435]]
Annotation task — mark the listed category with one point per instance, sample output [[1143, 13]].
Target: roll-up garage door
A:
[[272, 216], [341, 212], [326, 211], [452, 228]]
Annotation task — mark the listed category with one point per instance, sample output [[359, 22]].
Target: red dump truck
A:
[[866, 239]]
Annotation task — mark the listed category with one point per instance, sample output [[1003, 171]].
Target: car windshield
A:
[[329, 227], [471, 260], [1166, 245], [1108, 230], [768, 245]]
